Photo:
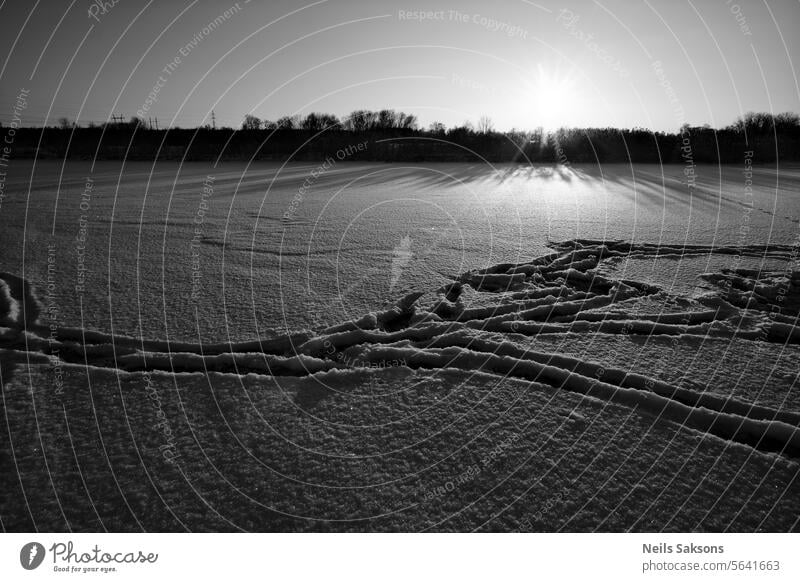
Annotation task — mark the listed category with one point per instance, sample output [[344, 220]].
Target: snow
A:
[[409, 335], [364, 235], [376, 331]]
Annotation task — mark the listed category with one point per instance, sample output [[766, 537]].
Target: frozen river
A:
[[239, 251], [647, 383]]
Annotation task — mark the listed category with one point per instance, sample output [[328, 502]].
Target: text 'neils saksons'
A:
[[663, 548]]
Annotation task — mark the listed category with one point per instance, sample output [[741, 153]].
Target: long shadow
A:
[[7, 368], [654, 189]]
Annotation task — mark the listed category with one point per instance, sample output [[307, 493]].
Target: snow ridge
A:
[[486, 321]]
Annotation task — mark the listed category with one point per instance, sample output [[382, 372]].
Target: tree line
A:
[[396, 136], [359, 121]]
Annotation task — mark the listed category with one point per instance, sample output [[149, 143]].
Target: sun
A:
[[554, 99]]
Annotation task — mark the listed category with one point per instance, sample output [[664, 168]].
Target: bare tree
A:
[[289, 122], [251, 122], [319, 121], [437, 127], [406, 120], [330, 121], [763, 122], [485, 124], [386, 119], [64, 123], [361, 120]]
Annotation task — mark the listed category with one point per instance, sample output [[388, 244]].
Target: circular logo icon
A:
[[31, 555]]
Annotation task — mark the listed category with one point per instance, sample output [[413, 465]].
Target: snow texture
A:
[[486, 321]]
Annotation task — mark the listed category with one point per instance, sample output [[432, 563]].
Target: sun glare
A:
[[554, 99]]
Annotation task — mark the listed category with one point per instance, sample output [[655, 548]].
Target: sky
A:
[[612, 63]]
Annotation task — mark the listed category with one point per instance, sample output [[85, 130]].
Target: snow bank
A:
[[762, 434], [473, 325], [10, 312], [21, 301]]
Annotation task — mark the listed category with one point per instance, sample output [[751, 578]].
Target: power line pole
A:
[[213, 120]]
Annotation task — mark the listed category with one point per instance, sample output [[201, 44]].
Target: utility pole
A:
[[213, 120]]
